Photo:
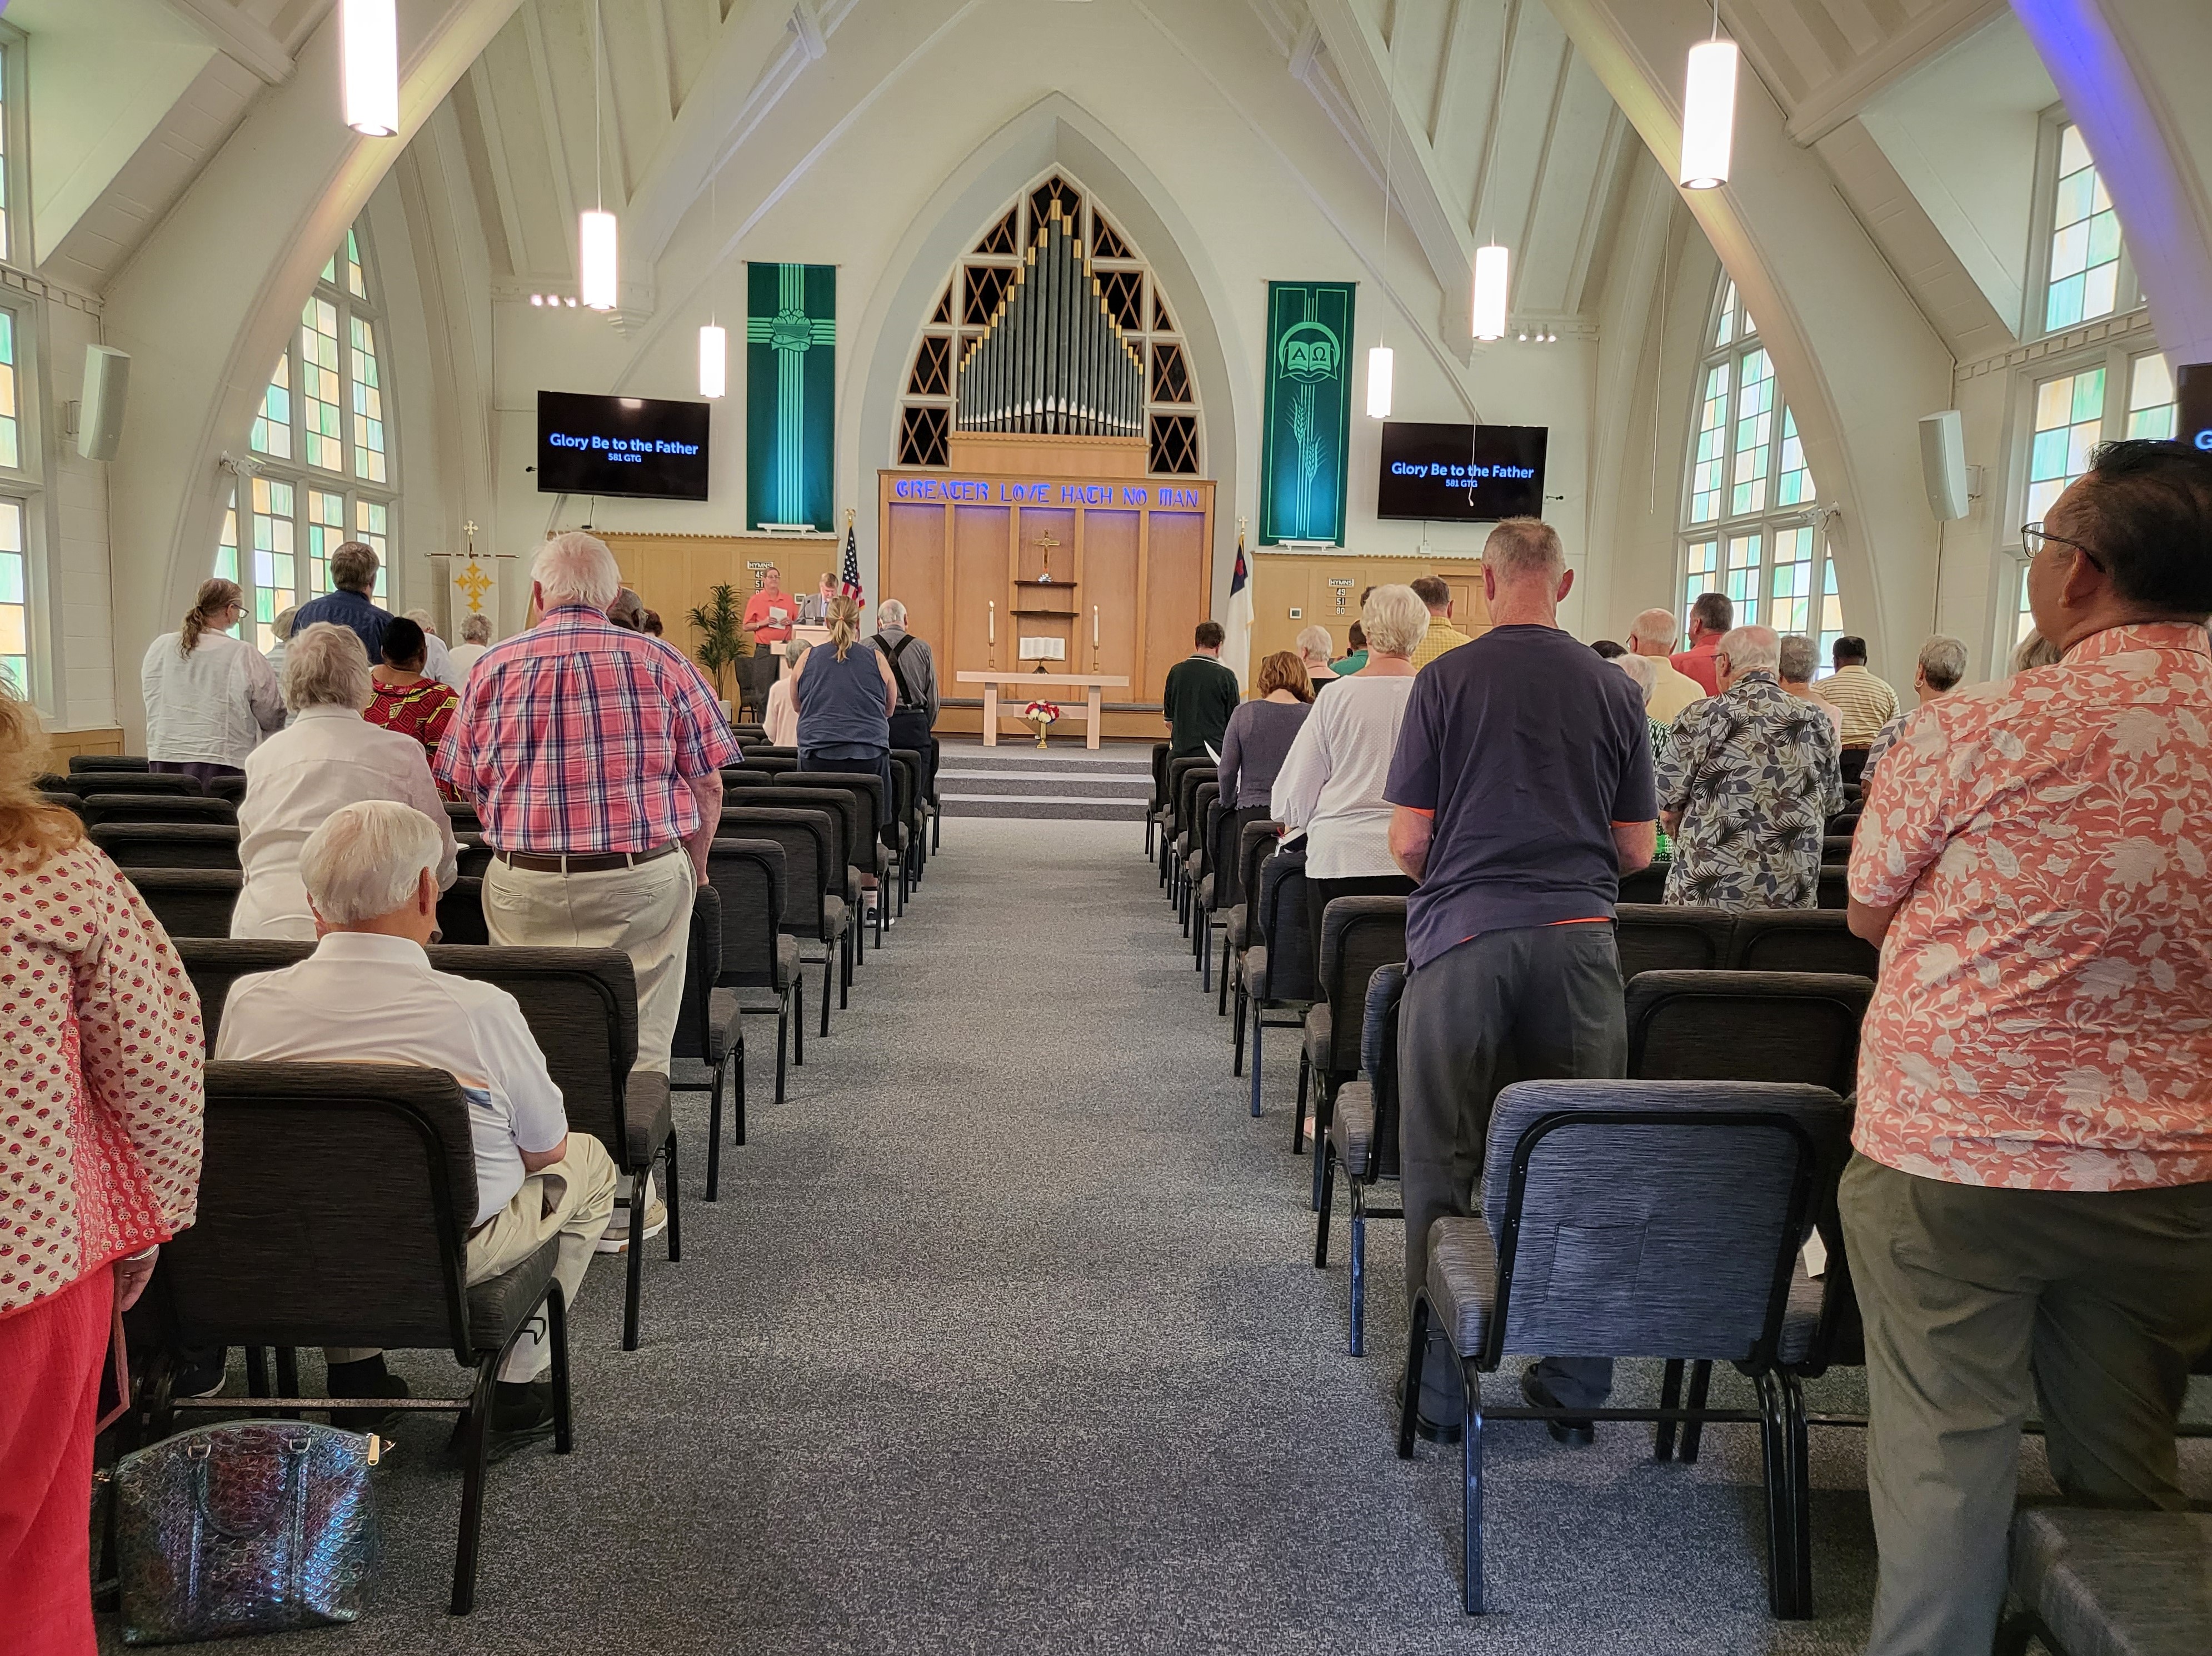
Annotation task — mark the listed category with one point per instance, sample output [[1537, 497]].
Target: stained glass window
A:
[[12, 428], [1753, 533], [323, 433], [2150, 396], [15, 601], [2084, 279], [2069, 421]]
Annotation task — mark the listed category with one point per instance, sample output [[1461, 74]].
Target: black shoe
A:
[[520, 1415], [367, 1379], [1575, 1433], [1428, 1430]]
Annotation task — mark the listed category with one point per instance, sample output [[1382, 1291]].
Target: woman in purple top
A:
[[1261, 730]]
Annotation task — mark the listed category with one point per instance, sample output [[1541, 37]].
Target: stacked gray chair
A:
[[1707, 1190], [168, 845], [704, 1039], [1255, 843], [812, 912], [1663, 937]]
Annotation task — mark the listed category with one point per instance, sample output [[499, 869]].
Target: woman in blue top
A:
[[845, 697]]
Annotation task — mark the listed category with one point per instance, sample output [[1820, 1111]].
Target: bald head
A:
[[1748, 650], [1653, 633]]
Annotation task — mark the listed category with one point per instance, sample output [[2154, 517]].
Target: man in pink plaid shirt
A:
[[593, 756]]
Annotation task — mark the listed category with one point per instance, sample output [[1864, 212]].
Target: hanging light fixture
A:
[[368, 44], [1491, 263], [598, 239], [1379, 371], [1381, 365], [1709, 111], [714, 341]]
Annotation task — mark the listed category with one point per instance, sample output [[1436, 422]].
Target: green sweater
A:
[[1198, 698]]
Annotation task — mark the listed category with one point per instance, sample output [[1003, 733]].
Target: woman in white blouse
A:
[[1331, 783], [329, 757], [209, 697]]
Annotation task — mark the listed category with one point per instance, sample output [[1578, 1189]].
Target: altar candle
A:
[[991, 620], [1094, 625]]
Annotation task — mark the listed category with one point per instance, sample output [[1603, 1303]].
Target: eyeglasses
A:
[[2033, 538]]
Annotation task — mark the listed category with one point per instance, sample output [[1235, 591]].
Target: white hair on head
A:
[[1657, 627], [891, 613], [327, 666], [421, 619], [476, 629], [1749, 649], [1640, 669], [1314, 644], [282, 626], [576, 568], [1395, 620], [1525, 548], [1799, 659], [367, 859], [1943, 662]]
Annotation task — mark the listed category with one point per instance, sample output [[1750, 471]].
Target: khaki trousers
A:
[[574, 1196], [644, 910], [1977, 1301]]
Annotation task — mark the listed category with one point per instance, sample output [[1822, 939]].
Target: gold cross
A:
[[1045, 540], [470, 529], [473, 582]]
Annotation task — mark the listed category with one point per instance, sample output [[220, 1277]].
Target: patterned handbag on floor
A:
[[251, 1526]]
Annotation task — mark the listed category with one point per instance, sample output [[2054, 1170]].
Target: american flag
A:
[[850, 586]]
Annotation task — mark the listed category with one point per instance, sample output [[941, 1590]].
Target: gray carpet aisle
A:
[[1005, 1336]]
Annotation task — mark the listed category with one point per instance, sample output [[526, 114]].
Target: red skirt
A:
[[50, 1357]]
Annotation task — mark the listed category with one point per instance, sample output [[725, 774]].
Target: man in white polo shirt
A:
[[369, 995]]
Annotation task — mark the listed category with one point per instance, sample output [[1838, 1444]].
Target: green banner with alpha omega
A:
[[1308, 434], [791, 394]]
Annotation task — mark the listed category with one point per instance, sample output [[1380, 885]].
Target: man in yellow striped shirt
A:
[[1442, 635], [1866, 702]]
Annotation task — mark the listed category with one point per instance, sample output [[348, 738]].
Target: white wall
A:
[[69, 537]]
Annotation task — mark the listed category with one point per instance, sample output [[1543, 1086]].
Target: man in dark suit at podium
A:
[[1198, 698]]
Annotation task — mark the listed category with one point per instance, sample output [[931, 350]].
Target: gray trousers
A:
[[1535, 1004], [1977, 1300]]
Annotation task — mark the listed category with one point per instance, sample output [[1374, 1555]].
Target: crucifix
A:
[[1047, 541]]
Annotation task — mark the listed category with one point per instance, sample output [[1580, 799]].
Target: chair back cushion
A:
[[749, 876], [1255, 843], [335, 1202], [806, 838], [1357, 935], [1662, 938], [190, 902], [168, 845], [1654, 1218], [1747, 1026], [1646, 885], [747, 776], [1835, 891], [1180, 785], [835, 806], [80, 762], [864, 790], [702, 967], [1283, 923], [1160, 774], [1378, 1059], [1798, 940], [1204, 805], [460, 912], [163, 807], [133, 781]]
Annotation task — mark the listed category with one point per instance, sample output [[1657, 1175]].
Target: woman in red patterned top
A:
[[405, 699], [100, 1156]]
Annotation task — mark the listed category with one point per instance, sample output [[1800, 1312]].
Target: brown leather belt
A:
[[561, 863]]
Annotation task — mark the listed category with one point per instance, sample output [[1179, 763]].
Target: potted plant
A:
[[720, 624]]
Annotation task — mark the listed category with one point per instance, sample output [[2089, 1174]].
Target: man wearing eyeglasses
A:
[[2029, 1215]]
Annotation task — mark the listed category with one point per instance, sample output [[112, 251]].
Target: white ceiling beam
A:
[[1826, 106], [807, 18], [1362, 61], [239, 37], [486, 105], [752, 35]]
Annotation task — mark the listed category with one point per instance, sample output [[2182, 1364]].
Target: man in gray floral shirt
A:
[[1748, 785]]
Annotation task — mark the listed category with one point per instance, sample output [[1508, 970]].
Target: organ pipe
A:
[[1052, 358]]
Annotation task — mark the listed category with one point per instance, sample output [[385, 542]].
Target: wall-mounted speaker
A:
[[1943, 463], [2193, 391], [106, 383]]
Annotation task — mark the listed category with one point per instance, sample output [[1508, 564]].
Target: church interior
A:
[[1070, 326]]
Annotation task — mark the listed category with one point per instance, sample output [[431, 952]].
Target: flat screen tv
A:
[[1461, 474], [634, 446]]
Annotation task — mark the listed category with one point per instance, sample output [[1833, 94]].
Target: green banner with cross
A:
[[1305, 437], [791, 394]]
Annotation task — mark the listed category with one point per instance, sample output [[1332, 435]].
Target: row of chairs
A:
[[278, 1260]]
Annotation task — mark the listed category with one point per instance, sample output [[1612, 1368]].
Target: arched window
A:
[[322, 441], [931, 407], [1750, 526]]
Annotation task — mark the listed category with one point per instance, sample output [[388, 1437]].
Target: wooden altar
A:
[[1064, 542]]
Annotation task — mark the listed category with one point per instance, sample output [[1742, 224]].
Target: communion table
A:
[[1014, 681]]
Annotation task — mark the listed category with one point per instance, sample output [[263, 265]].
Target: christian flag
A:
[[1236, 647], [849, 582]]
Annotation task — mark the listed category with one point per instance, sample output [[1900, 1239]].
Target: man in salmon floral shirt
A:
[[2031, 1198]]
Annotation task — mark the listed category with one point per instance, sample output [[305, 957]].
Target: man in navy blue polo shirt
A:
[[353, 577], [1523, 792]]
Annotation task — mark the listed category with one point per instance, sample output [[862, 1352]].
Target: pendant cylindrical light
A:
[[368, 37], [713, 361], [1490, 282], [1379, 365], [1708, 114], [596, 239]]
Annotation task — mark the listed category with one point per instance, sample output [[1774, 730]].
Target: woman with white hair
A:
[[476, 639], [1331, 783], [330, 757], [781, 719], [1315, 646], [437, 659], [209, 697]]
